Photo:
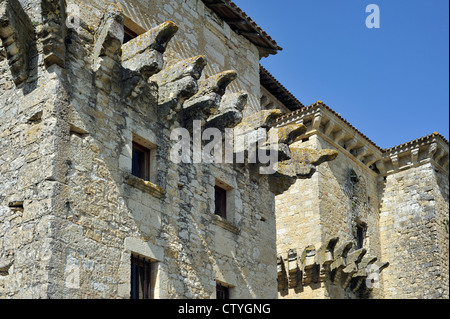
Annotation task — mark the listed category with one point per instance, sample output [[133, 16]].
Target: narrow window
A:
[[222, 292], [141, 162], [140, 278], [220, 201], [360, 230]]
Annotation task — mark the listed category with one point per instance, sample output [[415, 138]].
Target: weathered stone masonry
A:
[[71, 212], [397, 198], [74, 99]]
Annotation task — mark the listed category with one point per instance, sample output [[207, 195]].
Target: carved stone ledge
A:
[[145, 186], [225, 224]]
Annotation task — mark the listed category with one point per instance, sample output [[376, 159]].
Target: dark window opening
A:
[[141, 162], [140, 278], [220, 201], [129, 34], [222, 292], [360, 230]]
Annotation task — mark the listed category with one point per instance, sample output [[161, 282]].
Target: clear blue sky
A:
[[390, 83]]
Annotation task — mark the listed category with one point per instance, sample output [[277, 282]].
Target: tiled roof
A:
[[278, 90], [242, 24], [321, 104], [424, 138]]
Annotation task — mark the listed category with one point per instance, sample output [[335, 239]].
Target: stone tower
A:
[[381, 216], [92, 202]]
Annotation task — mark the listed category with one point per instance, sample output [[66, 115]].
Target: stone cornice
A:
[[432, 148], [321, 119]]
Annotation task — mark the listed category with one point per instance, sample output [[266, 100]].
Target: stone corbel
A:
[[308, 261], [17, 34], [107, 48], [352, 261], [439, 154], [395, 163], [206, 102], [350, 145], [381, 166], [432, 149], [339, 263], [230, 112], [415, 156], [53, 32], [361, 153], [293, 267], [370, 160], [325, 254], [330, 128], [178, 82], [340, 136], [145, 53], [317, 120]]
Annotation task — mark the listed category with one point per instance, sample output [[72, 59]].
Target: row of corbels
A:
[[339, 264], [20, 37]]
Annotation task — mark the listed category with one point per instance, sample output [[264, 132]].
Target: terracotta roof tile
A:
[[321, 104], [424, 138], [278, 90], [242, 24]]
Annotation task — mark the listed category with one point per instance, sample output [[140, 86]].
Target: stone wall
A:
[[329, 205], [203, 32], [414, 234], [71, 213]]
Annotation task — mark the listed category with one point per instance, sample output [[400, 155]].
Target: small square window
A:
[[141, 162], [222, 292], [220, 200], [141, 274]]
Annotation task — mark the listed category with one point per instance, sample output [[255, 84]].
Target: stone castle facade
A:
[[93, 206]]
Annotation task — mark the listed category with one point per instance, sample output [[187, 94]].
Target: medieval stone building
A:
[[93, 204]]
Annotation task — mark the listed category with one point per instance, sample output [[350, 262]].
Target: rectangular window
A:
[[141, 162], [360, 236], [222, 292], [220, 201], [141, 275]]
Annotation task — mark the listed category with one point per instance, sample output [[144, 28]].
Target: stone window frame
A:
[[152, 156], [225, 288], [153, 253], [360, 233], [136, 273], [228, 222]]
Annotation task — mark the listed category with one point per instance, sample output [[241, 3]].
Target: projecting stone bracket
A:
[[177, 83], [339, 265], [53, 32], [144, 54], [206, 102], [229, 114], [17, 35], [108, 48]]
